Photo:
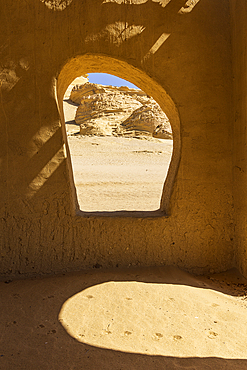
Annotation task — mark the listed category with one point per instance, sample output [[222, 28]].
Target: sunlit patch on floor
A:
[[157, 319]]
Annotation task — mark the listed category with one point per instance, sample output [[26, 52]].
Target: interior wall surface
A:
[[185, 48], [239, 16]]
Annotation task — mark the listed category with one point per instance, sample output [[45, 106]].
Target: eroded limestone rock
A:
[[108, 110], [148, 120], [79, 81]]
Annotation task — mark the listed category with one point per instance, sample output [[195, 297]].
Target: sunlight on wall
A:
[[117, 33], [157, 45], [57, 4]]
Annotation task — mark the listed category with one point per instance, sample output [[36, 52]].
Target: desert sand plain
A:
[[147, 318]]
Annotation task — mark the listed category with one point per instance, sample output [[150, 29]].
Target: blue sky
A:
[[106, 79]]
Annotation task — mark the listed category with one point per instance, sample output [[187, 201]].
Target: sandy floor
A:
[[115, 173], [138, 318]]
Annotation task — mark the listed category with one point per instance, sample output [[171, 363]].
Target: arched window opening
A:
[[107, 141], [120, 143]]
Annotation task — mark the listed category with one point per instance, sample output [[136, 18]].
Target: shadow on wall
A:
[[31, 155], [62, 4], [132, 19], [124, 26], [125, 31], [49, 39], [130, 22]]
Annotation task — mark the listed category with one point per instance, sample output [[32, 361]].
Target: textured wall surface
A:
[[239, 14], [176, 51]]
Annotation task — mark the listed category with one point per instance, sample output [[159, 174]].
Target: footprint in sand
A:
[[177, 337], [106, 332], [52, 331], [212, 335], [157, 336], [215, 305]]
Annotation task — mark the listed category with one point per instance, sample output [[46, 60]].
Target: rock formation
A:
[[119, 111], [77, 82]]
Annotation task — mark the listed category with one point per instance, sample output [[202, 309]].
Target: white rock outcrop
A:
[[119, 111]]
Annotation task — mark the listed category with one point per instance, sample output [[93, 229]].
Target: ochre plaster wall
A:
[[187, 57], [239, 29]]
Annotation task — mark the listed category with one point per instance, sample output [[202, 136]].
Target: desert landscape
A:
[[117, 162]]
